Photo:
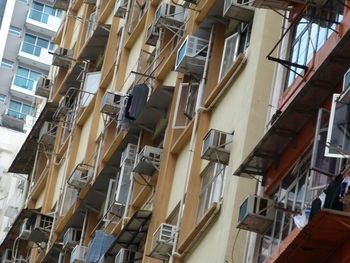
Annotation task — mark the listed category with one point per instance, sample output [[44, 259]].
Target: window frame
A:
[[5, 63], [20, 115], [16, 31], [223, 71], [27, 78]]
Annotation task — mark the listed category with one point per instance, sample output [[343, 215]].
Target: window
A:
[[2, 98], [23, 1], [26, 78], [212, 186], [15, 31], [338, 136], [20, 110], [296, 191], [33, 45], [230, 53], [310, 33], [5, 63], [41, 12]]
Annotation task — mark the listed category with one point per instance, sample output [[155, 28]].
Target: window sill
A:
[[182, 139], [199, 229]]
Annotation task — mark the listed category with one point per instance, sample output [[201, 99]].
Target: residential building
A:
[[153, 107], [301, 160], [25, 42]]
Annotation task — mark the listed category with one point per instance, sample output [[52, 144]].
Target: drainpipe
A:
[[192, 142], [132, 181], [83, 228]]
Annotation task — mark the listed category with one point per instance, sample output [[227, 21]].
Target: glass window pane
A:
[[36, 15], [28, 48], [37, 6], [6, 63], [2, 98], [34, 75], [20, 82], [29, 38], [15, 30], [22, 72], [14, 105], [42, 43], [28, 110]]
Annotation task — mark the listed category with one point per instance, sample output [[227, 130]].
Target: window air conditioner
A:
[[112, 102], [78, 254], [25, 229], [90, 2], [71, 237], [62, 57], [148, 160], [120, 8], [43, 87], [12, 122], [41, 228], [169, 15], [62, 108], [240, 10], [191, 55], [47, 134], [345, 96], [7, 256], [163, 241], [80, 176], [217, 146], [256, 214], [125, 255], [61, 4], [129, 154], [152, 35]]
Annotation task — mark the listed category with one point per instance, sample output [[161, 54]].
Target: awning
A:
[[13, 233], [319, 240], [302, 108], [133, 232], [156, 108], [24, 160], [96, 43], [73, 78]]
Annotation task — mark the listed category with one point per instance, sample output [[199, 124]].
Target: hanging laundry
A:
[[332, 200], [136, 101], [301, 220]]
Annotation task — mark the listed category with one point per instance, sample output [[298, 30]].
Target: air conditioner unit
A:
[[271, 4], [120, 8], [152, 35], [41, 228], [80, 176], [191, 55], [169, 15], [240, 10], [126, 255], [12, 122], [61, 4], [112, 102], [25, 229], [43, 87], [148, 160], [90, 2], [62, 108], [129, 154], [345, 95], [71, 237], [62, 57], [256, 214], [115, 212], [7, 256], [217, 146], [78, 254], [47, 134], [163, 241]]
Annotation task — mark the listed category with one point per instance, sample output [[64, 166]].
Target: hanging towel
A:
[[99, 246]]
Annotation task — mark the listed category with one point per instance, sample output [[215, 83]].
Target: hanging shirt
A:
[[332, 194]]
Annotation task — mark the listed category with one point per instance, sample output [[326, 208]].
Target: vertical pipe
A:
[[83, 228]]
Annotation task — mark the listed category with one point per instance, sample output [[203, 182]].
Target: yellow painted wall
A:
[[60, 177], [179, 179], [132, 63], [246, 101], [77, 27], [84, 137], [170, 79], [39, 202]]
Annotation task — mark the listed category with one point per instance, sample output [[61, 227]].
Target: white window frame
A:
[[109, 197], [328, 153], [237, 36]]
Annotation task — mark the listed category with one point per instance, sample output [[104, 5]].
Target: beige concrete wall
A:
[[84, 138], [60, 177], [77, 27]]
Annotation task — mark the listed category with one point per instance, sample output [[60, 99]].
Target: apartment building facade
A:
[[301, 160], [152, 108], [25, 37]]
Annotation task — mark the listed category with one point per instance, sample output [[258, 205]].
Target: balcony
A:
[[43, 61], [22, 93], [45, 25]]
